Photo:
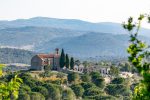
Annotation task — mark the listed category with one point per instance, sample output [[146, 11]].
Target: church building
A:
[[41, 61]]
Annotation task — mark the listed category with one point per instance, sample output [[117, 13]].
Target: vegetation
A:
[[114, 71], [139, 54], [9, 91], [62, 59], [71, 62], [87, 86], [1, 67], [67, 61], [78, 90], [10, 55], [73, 77]]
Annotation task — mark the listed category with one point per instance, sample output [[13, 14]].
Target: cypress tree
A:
[[72, 63], [62, 59], [67, 62]]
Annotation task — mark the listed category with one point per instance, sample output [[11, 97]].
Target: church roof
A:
[[48, 55]]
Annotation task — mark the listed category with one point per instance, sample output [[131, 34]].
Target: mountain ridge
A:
[[79, 38], [73, 24]]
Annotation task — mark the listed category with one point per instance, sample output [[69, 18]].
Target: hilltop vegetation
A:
[[9, 55], [71, 86], [1, 67]]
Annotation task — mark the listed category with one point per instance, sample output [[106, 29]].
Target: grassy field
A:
[[1, 66]]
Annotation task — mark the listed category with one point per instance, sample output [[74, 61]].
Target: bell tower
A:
[[57, 51]]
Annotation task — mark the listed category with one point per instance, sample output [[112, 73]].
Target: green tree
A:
[[41, 90], [117, 89], [24, 96], [94, 76], [68, 94], [53, 92], [114, 71], [100, 82], [47, 68], [126, 67], [118, 80], [10, 90], [139, 53], [93, 91], [87, 85], [73, 77], [62, 59], [86, 78], [36, 96], [78, 90], [24, 92], [67, 62], [72, 63], [24, 89]]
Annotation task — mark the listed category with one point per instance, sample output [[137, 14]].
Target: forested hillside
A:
[[8, 55]]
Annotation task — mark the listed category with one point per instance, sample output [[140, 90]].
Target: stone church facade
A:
[[41, 61]]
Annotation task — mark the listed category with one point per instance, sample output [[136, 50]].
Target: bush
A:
[[24, 88], [87, 85], [95, 75], [93, 91], [100, 82], [23, 96], [36, 96], [118, 80], [52, 91], [116, 89], [73, 77], [41, 90], [78, 90], [68, 94], [86, 78], [101, 97]]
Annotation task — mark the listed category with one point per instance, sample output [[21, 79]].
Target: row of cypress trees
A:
[[65, 61]]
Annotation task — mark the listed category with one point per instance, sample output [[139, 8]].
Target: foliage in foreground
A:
[[139, 53], [10, 90]]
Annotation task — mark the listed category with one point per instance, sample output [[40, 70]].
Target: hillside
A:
[[8, 55], [72, 24], [79, 38]]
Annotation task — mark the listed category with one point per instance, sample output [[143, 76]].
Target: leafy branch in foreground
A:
[[139, 54], [10, 90]]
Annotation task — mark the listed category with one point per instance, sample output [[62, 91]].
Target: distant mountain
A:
[[79, 38], [92, 44], [72, 24], [9, 55]]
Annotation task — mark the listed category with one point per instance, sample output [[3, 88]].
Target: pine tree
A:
[[62, 59], [67, 62], [72, 63]]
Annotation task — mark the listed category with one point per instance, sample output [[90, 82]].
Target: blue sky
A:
[[88, 10]]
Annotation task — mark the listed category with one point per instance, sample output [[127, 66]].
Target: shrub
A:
[[36, 96], [86, 78], [78, 90], [52, 91], [68, 94], [118, 80], [73, 77], [24, 96], [100, 82], [87, 85], [93, 91], [41, 90]]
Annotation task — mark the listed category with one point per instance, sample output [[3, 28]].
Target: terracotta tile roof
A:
[[48, 55]]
